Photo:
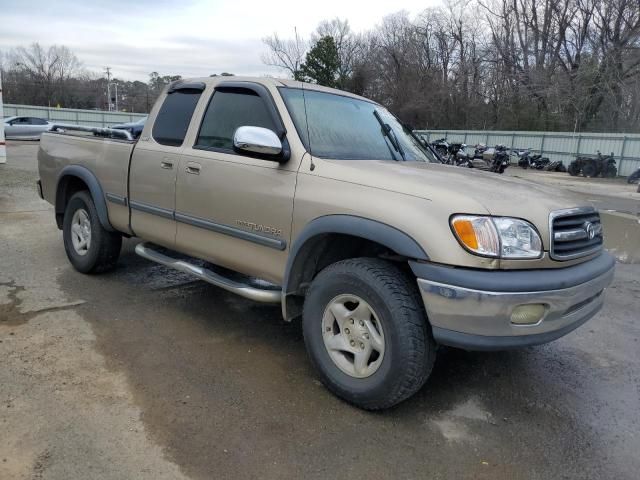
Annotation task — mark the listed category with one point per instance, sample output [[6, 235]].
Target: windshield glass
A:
[[345, 128]]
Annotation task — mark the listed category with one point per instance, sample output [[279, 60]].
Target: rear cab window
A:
[[174, 117]]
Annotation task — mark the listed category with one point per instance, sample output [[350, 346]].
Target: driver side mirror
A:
[[257, 140]]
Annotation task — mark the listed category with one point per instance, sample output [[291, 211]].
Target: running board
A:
[[242, 289]]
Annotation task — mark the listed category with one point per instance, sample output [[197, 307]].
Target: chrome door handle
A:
[[193, 169], [167, 165]]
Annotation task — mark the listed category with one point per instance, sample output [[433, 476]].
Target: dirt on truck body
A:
[[323, 202]]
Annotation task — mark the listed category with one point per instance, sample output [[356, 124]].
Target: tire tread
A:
[[414, 332]]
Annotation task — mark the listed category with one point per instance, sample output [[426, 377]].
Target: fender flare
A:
[[372, 230], [88, 177]]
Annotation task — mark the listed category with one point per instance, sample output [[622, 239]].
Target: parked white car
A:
[[25, 127]]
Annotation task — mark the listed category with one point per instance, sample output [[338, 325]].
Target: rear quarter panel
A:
[[107, 159]]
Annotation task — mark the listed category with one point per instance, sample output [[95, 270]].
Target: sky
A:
[[189, 38]]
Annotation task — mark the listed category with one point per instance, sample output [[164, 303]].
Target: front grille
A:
[[575, 232]]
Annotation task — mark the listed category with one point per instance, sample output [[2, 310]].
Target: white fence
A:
[[91, 118], [558, 146]]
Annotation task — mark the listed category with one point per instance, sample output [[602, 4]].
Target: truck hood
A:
[[459, 189], [498, 194]]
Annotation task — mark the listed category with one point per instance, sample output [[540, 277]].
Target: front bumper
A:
[[472, 309]]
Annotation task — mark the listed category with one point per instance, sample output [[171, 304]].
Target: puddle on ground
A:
[[622, 235], [11, 312]]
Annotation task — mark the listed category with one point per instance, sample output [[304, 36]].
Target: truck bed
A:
[[107, 159]]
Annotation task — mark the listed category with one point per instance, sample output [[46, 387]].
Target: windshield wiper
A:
[[390, 134]]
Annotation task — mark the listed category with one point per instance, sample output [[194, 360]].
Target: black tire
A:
[[611, 171], [409, 347], [104, 248], [590, 169], [574, 169]]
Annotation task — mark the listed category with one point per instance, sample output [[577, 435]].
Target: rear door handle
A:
[[167, 165], [193, 168]]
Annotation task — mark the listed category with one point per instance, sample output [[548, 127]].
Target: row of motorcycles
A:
[[497, 159], [492, 159]]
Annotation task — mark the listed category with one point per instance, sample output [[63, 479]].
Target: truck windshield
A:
[[346, 128]]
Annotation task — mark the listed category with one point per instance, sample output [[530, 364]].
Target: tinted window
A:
[[229, 110], [346, 128], [174, 116], [37, 121]]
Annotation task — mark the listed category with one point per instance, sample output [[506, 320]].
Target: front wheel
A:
[[89, 246], [366, 332]]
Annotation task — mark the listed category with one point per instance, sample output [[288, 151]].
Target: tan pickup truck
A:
[[322, 201]]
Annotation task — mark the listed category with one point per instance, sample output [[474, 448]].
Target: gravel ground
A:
[[144, 373]]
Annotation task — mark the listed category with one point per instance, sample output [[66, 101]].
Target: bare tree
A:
[[349, 45], [287, 55], [47, 69]]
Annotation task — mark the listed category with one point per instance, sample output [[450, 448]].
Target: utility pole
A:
[[115, 86], [107, 71]]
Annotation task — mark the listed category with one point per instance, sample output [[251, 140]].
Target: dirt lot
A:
[[145, 373]]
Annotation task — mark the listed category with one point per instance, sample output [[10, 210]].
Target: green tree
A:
[[322, 63]]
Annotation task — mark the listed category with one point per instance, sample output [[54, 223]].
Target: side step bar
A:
[[242, 289]]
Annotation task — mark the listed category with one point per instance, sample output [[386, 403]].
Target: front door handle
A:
[[193, 168], [167, 165]]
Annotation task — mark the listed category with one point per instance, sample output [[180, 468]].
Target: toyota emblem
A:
[[590, 229]]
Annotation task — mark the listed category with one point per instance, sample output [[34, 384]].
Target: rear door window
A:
[[174, 117]]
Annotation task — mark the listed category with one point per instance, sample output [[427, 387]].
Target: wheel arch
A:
[[72, 179], [331, 238]]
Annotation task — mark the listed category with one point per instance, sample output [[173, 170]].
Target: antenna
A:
[[312, 167]]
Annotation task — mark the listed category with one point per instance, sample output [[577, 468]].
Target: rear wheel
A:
[[89, 246], [366, 332]]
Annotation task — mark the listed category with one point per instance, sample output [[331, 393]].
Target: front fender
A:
[[375, 231]]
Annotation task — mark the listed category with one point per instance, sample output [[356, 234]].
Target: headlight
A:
[[498, 237]]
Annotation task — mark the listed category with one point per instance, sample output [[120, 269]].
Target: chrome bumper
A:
[[481, 319]]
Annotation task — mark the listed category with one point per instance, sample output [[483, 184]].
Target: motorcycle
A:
[[523, 158], [461, 158], [441, 146], [500, 160], [634, 177], [480, 148], [451, 153], [538, 162], [495, 159]]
